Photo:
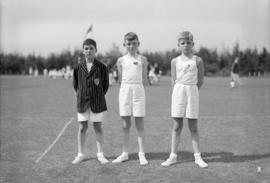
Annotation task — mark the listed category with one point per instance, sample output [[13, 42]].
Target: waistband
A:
[[185, 84]]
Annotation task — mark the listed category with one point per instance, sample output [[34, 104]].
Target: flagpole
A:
[[89, 30]]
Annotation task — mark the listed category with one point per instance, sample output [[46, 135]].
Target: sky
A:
[[51, 26]]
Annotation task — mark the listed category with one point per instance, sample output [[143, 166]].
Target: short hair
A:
[[90, 42], [131, 36], [185, 35]]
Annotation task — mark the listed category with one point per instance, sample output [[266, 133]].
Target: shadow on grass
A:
[[228, 157], [185, 156]]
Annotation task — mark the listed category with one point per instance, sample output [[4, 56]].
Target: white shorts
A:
[[89, 115], [185, 101], [132, 100]]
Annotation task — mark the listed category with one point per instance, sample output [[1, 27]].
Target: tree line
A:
[[252, 61]]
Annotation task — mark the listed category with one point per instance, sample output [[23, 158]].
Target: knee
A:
[[193, 129], [97, 128], [126, 126], [177, 127], [83, 127]]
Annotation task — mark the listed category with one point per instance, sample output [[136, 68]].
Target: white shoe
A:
[[142, 158], [123, 157], [199, 161], [79, 158], [102, 159], [170, 161]]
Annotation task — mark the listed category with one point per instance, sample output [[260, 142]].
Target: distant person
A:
[[115, 75], [149, 66], [90, 82], [158, 72], [36, 72], [79, 59], [30, 71], [187, 79], [153, 78], [45, 72], [132, 69], [235, 69], [111, 79]]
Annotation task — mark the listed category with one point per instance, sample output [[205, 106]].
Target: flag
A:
[[90, 29]]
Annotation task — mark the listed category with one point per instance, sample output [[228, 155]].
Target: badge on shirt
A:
[[135, 63], [96, 81], [186, 69]]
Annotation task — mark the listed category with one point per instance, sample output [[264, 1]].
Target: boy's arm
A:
[[105, 79], [200, 66], [75, 79], [144, 74], [119, 68], [173, 71]]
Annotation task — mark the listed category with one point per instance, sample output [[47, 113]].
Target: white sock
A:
[[199, 161], [197, 155], [142, 158], [173, 155], [141, 153], [100, 154], [124, 154], [80, 154]]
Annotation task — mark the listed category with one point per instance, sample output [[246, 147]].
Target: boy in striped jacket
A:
[[90, 82]]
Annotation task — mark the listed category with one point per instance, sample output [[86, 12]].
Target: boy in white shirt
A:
[[187, 78], [132, 69]]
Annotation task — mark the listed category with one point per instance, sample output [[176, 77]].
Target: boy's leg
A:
[[193, 127], [99, 141], [126, 128], [81, 141], [237, 78], [99, 136], [176, 132], [233, 80], [81, 136], [125, 147], [140, 131]]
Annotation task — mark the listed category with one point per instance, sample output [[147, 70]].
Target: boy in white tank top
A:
[[132, 69], [187, 77]]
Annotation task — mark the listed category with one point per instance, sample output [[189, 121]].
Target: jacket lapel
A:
[[83, 67], [94, 67]]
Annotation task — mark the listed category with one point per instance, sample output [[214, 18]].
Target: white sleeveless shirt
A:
[[186, 71], [132, 69]]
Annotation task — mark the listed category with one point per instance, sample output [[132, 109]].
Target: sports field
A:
[[234, 129]]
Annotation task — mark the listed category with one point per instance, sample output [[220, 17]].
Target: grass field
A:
[[234, 129]]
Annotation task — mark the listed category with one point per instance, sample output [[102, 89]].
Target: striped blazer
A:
[[91, 87]]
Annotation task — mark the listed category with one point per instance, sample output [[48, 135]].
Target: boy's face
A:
[[185, 45], [89, 51], [132, 45]]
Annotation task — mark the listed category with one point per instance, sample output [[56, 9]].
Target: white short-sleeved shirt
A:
[[89, 66], [132, 69], [186, 71], [131, 93]]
